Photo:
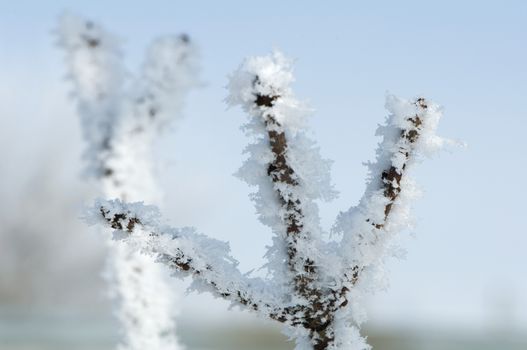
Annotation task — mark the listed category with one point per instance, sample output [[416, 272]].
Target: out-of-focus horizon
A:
[[465, 267]]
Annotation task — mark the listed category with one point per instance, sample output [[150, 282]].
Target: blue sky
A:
[[468, 257]]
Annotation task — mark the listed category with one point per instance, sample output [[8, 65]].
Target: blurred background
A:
[[463, 283]]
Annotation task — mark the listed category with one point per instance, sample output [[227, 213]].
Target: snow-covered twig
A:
[[315, 286], [384, 209], [188, 253]]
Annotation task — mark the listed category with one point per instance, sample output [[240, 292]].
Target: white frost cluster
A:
[[121, 117], [286, 167], [275, 76]]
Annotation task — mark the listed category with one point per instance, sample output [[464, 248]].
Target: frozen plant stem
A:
[[315, 285], [121, 119]]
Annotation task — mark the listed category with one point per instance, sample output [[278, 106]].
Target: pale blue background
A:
[[467, 265]]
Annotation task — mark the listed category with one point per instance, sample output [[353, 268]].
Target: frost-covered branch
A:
[[121, 118], [188, 253], [384, 209], [262, 89], [290, 176], [316, 285]]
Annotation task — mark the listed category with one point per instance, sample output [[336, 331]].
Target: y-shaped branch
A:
[[156, 99], [313, 299], [120, 122]]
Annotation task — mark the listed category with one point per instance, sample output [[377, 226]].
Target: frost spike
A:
[[391, 177]]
